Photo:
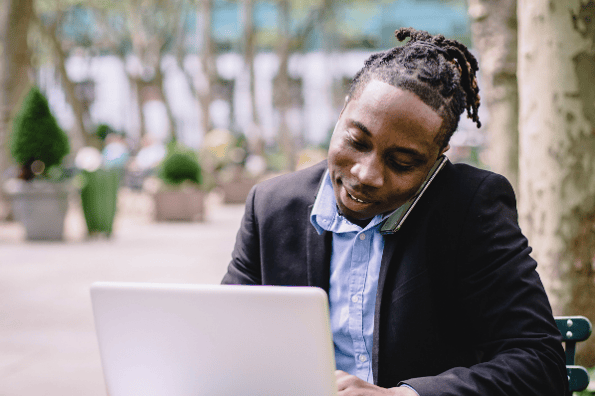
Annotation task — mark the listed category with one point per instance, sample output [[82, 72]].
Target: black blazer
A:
[[460, 309]]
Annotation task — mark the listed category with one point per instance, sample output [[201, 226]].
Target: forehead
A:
[[394, 112]]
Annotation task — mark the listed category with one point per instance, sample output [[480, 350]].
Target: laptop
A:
[[213, 340]]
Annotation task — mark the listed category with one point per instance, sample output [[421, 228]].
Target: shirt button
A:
[[363, 358], [355, 299], [362, 236]]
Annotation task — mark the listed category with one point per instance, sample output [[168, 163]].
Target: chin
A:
[[349, 213]]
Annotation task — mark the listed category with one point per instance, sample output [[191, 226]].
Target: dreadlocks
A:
[[438, 70]]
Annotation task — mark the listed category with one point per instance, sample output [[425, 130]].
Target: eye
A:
[[356, 144], [400, 166]]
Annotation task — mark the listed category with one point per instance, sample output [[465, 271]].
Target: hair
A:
[[441, 72]]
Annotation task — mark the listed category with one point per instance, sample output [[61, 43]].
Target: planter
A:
[[40, 206], [236, 192], [185, 204], [99, 197]]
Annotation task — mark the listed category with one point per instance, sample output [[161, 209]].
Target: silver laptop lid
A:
[[176, 339]]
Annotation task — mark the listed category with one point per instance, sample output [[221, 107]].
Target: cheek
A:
[[405, 186], [339, 157]]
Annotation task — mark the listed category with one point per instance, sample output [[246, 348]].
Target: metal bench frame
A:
[[574, 329]]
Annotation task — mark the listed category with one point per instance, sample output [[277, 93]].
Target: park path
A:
[[47, 339]]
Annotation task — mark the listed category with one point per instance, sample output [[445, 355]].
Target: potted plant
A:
[[39, 196], [180, 196], [99, 190]]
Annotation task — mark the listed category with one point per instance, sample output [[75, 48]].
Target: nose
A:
[[368, 171]]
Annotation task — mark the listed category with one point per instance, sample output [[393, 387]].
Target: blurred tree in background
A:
[[147, 34], [557, 150], [15, 68], [494, 28]]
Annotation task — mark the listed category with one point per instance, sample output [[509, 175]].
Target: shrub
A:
[[103, 130], [36, 136], [180, 165]]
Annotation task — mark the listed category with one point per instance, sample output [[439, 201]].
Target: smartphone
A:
[[398, 217]]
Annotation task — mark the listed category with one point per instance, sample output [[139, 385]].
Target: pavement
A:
[[47, 337]]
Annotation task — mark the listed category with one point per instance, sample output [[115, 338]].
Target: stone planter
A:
[[184, 204], [40, 206]]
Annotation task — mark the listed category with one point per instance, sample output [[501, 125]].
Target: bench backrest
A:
[[574, 329]]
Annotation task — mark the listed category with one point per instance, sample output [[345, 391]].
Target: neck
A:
[[362, 223]]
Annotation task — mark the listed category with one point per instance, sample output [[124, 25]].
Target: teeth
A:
[[356, 199]]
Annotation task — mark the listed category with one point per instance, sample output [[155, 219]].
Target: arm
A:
[[244, 267], [510, 323]]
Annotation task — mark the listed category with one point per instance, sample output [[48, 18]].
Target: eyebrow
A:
[[362, 127], [404, 150]]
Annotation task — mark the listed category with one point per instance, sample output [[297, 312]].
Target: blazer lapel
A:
[[318, 255], [390, 243]]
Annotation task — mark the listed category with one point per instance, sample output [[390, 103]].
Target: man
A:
[[431, 287]]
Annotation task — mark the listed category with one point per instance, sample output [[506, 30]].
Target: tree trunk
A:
[[286, 140], [557, 150], [208, 64], [494, 28], [15, 66], [329, 26], [79, 137], [160, 83], [254, 135], [137, 84]]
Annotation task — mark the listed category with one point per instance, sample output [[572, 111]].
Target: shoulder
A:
[[470, 176], [461, 193], [464, 182], [293, 188]]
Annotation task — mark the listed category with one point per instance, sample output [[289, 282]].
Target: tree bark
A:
[[208, 64], [254, 135], [15, 65], [79, 137], [160, 84], [286, 140], [494, 29], [557, 150]]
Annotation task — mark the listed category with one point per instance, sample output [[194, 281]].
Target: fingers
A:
[[350, 385], [347, 381], [344, 380]]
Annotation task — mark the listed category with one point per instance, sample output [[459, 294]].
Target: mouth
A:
[[357, 199]]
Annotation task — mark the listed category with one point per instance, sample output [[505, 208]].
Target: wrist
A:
[[404, 390]]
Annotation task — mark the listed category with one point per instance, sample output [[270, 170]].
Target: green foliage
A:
[[36, 134], [103, 130], [180, 165], [276, 161]]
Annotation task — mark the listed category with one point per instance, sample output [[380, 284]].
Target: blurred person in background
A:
[[432, 290], [116, 152]]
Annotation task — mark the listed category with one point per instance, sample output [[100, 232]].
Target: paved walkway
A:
[[47, 339]]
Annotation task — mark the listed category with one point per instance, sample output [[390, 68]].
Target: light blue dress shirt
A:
[[355, 266]]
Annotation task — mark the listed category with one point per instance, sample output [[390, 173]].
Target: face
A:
[[382, 149]]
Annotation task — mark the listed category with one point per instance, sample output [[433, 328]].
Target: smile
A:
[[356, 199]]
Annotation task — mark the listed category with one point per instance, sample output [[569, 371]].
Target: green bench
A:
[[574, 329]]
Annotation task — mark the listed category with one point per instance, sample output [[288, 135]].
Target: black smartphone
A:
[[396, 220]]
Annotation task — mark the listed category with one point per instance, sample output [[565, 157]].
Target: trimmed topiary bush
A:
[[180, 165], [37, 142]]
